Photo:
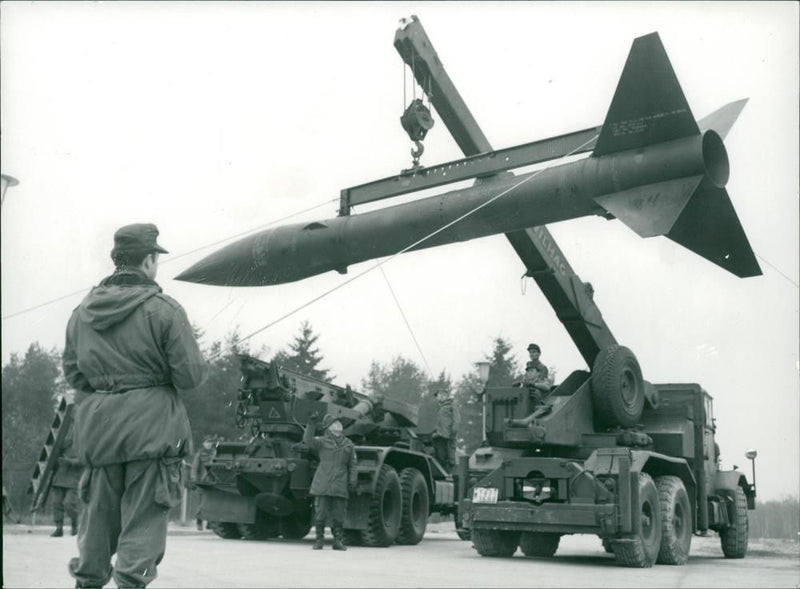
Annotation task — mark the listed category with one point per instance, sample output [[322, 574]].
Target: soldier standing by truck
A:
[[129, 348], [203, 457], [334, 479], [63, 488], [445, 433]]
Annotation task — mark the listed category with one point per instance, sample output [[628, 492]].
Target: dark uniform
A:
[[444, 435], [203, 457], [333, 480], [536, 377], [64, 486], [129, 347]]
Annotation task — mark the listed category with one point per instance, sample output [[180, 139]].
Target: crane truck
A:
[[605, 452]]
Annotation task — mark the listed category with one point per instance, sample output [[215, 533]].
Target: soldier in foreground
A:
[[334, 479], [64, 486], [129, 348]]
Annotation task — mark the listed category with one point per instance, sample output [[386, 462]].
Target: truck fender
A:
[[726, 481]]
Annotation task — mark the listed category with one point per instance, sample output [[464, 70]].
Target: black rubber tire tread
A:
[[539, 543], [464, 533], [382, 529], [226, 530], [676, 521], [608, 545], [611, 364], [294, 528], [412, 525], [640, 551], [734, 539], [353, 538], [495, 542]]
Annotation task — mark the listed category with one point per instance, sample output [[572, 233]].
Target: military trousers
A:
[[329, 509], [125, 508], [64, 499], [442, 451]]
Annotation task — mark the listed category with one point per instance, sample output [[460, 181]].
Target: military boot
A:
[[338, 536], [320, 537], [59, 531]]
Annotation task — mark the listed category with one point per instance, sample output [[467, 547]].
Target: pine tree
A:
[[303, 356]]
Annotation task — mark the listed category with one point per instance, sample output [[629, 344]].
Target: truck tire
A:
[[415, 502], [734, 538], [464, 533], [353, 538], [617, 387], [539, 543], [641, 549], [495, 542], [676, 521], [294, 528], [385, 509], [264, 527], [227, 530]]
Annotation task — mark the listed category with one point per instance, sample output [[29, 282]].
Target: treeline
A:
[[776, 519], [32, 384]]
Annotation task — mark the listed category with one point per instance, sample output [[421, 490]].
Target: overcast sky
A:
[[212, 119]]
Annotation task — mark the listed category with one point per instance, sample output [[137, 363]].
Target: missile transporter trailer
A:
[[606, 453], [260, 489]]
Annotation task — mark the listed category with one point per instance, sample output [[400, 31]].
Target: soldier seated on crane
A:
[[537, 377]]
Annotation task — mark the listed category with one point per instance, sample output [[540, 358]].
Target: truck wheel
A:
[[539, 543], [294, 528], [734, 538], [385, 508], [415, 502], [676, 521], [263, 528], [617, 387], [353, 538], [227, 530], [641, 550], [464, 533], [495, 542]]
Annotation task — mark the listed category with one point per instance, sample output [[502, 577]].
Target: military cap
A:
[[138, 237], [534, 347], [328, 420]]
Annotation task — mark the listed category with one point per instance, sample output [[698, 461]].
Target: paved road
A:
[[200, 559]]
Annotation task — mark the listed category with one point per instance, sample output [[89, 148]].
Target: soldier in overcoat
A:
[[334, 479], [129, 349]]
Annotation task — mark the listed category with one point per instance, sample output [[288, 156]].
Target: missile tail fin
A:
[[651, 209], [722, 119], [690, 211], [648, 105], [710, 227]]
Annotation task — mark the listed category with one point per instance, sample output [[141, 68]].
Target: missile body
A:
[[652, 168]]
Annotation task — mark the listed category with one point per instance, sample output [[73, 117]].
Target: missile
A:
[[653, 167]]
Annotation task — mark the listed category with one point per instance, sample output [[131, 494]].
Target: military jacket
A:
[[128, 348], [445, 420], [337, 463]]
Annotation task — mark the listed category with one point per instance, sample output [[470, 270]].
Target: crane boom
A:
[[570, 297]]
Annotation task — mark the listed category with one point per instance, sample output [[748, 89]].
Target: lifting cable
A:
[[169, 259], [408, 325]]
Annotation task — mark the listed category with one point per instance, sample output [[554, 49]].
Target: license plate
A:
[[484, 495]]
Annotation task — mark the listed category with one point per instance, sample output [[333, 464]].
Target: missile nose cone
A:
[[233, 265]]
